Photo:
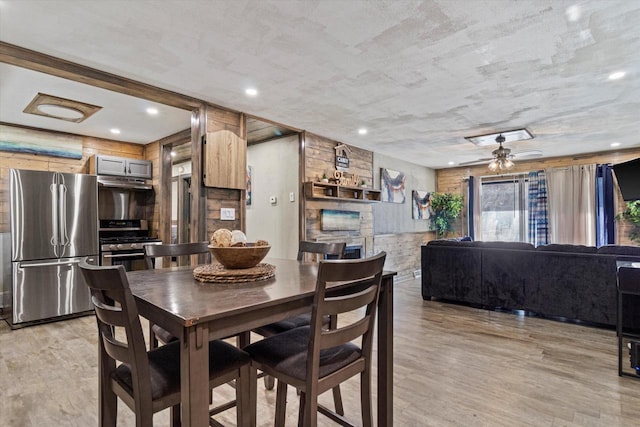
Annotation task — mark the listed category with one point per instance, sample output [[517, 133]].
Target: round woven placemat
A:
[[216, 273]]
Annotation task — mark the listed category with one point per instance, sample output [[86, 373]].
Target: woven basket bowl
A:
[[239, 257]]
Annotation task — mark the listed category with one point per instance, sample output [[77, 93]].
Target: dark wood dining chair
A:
[[315, 359], [151, 252], [148, 381], [305, 247], [322, 250]]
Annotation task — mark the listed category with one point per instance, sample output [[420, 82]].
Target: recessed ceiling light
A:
[[451, 163], [152, 111], [573, 13], [617, 75], [115, 131], [251, 91], [173, 153], [615, 144], [362, 131]]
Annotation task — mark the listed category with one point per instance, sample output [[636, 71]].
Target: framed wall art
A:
[[392, 185]]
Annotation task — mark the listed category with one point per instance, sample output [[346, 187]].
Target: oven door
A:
[[131, 259]]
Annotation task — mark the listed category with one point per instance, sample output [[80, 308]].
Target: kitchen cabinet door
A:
[[225, 160], [138, 168], [107, 165]]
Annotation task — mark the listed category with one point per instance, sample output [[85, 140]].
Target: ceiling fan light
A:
[[493, 166], [508, 164]]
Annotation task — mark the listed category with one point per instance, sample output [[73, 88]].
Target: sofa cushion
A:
[[620, 250], [447, 242], [579, 249], [503, 245]]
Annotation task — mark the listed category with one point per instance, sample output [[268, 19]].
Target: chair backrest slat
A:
[[344, 304], [321, 248], [345, 334], [109, 314], [176, 249]]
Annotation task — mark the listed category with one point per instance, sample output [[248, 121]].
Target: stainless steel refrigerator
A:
[[54, 225]]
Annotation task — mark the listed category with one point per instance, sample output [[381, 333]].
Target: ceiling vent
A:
[[60, 108]]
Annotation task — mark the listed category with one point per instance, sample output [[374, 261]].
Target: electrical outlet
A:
[[227, 214], [273, 200]]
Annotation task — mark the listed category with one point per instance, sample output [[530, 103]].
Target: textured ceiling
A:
[[419, 75]]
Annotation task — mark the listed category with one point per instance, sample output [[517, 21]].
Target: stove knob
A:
[[119, 246], [112, 247], [134, 246]]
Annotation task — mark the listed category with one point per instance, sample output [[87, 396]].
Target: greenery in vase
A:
[[446, 208], [632, 216]]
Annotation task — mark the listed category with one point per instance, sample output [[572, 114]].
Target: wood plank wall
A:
[[152, 153], [90, 147], [319, 159], [217, 198], [450, 180]]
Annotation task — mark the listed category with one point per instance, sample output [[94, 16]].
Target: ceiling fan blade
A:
[[531, 154], [476, 162]]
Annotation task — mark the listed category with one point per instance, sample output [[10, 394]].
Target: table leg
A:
[[385, 353], [194, 369]]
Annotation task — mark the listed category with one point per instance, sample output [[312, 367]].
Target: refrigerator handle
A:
[[55, 238], [49, 264], [62, 205]]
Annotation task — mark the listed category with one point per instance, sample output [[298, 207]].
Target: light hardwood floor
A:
[[454, 366]]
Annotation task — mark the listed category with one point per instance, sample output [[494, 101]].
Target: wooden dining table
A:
[[197, 312]]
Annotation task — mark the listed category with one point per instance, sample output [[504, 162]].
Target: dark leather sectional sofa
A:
[[567, 281]]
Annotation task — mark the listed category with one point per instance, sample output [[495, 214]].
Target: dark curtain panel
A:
[[470, 210], [605, 213]]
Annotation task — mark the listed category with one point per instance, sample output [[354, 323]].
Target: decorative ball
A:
[[221, 238]]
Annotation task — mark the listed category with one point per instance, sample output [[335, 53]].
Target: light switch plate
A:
[[227, 214], [292, 197], [273, 200]]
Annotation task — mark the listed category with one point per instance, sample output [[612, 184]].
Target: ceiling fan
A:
[[502, 159]]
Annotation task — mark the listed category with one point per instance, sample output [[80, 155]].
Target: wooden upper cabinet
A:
[[225, 160], [121, 166]]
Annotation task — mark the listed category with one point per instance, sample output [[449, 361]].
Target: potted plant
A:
[[631, 215], [363, 184], [324, 177], [446, 208]]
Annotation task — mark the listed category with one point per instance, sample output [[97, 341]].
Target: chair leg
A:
[[174, 414], [269, 382], [337, 400], [281, 404], [308, 412], [365, 398], [243, 339], [153, 340]]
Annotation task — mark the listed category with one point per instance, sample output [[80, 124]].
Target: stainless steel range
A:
[[122, 242]]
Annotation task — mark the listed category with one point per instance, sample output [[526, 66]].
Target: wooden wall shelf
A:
[[328, 191]]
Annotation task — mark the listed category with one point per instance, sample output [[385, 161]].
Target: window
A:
[[504, 209]]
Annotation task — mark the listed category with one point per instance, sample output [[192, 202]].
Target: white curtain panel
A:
[[572, 205]]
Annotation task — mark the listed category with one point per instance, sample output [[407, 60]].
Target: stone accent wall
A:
[[403, 252]]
